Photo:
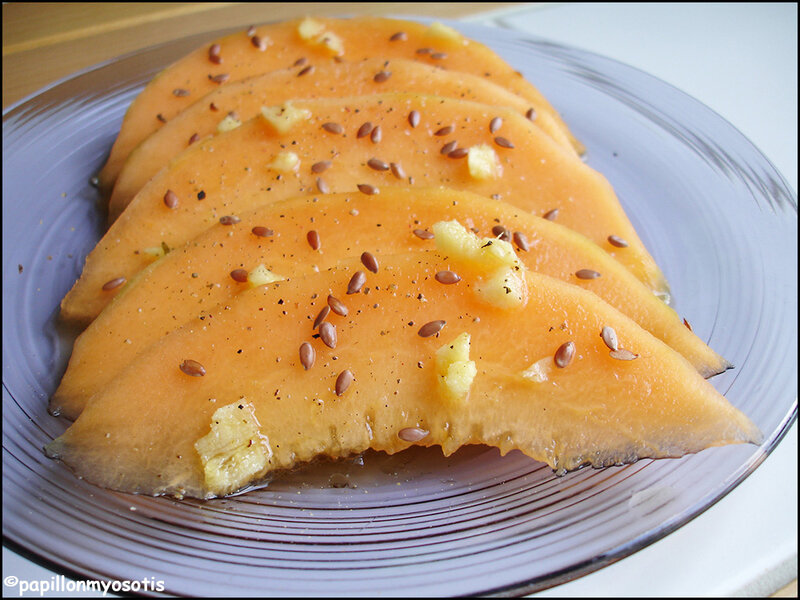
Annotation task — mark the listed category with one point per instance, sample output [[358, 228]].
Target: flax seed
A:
[[261, 231], [551, 215], [412, 434], [251, 31], [446, 130], [364, 130], [377, 164], [171, 199], [413, 118], [688, 326], [307, 355], [337, 306], [397, 170], [447, 277], [239, 275], [313, 239], [424, 50], [319, 167], [617, 241], [458, 153], [192, 368], [300, 62], [448, 147], [321, 316], [221, 78], [343, 382], [431, 328], [369, 261], [531, 114], [495, 124], [180, 92], [113, 284], [322, 186], [258, 43], [564, 354], [367, 189], [213, 54], [610, 338], [623, 354], [400, 36], [327, 333], [161, 118], [503, 142], [439, 55], [521, 240], [333, 128], [587, 274], [229, 220], [423, 234], [357, 281], [305, 70], [376, 135], [382, 76]]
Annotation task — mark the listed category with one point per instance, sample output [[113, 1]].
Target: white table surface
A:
[[741, 61]]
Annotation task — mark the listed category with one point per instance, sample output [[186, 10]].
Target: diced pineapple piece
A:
[[229, 123], [285, 162], [310, 28], [262, 276], [539, 372], [507, 288], [284, 117], [234, 452], [444, 32], [454, 369], [483, 163], [485, 254]]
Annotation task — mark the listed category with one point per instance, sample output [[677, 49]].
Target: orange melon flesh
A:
[[363, 37], [245, 99], [192, 280], [226, 170], [139, 434]]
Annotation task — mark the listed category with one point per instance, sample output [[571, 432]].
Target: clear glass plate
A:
[[718, 218]]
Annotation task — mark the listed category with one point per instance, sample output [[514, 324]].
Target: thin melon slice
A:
[[306, 42], [283, 157], [230, 398], [244, 99], [192, 280]]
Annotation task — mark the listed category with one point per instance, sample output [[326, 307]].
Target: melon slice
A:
[[285, 154], [244, 99], [192, 280], [306, 42], [247, 390]]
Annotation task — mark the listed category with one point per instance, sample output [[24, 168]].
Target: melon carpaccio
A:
[[243, 100], [313, 146], [249, 388], [307, 42], [211, 270]]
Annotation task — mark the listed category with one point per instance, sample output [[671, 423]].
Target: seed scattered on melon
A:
[[364, 130], [180, 92], [259, 42], [234, 452], [438, 55], [483, 163], [610, 338], [448, 147], [220, 78], [586, 274], [321, 316], [458, 153], [623, 354], [322, 186], [171, 199], [495, 124], [113, 284], [343, 382], [261, 231], [447, 277], [377, 164], [357, 281], [369, 261], [431, 328], [213, 54], [423, 234], [376, 135], [337, 306], [382, 76], [446, 130], [617, 241], [454, 369], [531, 114], [412, 434], [285, 162], [413, 118], [229, 123], [229, 220], [313, 240], [307, 355], [283, 118], [564, 355], [400, 36], [319, 167], [503, 142], [687, 324], [551, 215], [305, 70], [327, 333], [192, 368], [367, 189], [239, 275], [521, 240], [261, 275]]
